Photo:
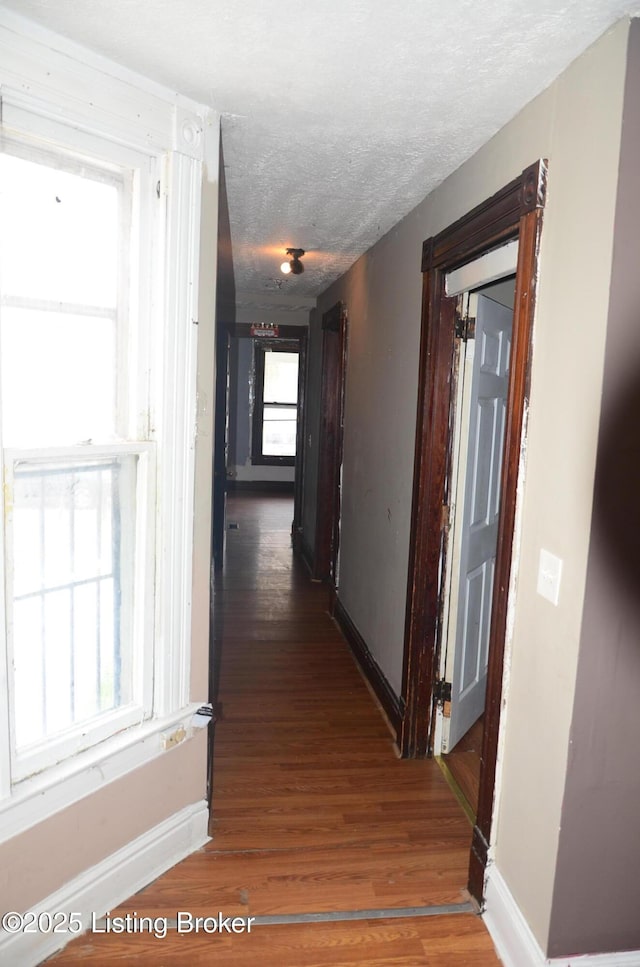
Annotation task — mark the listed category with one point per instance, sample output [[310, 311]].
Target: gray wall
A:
[[240, 383], [225, 278], [596, 896], [382, 297]]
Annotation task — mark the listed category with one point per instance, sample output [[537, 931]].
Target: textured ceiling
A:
[[338, 117]]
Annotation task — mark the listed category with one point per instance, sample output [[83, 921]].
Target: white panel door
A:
[[480, 515]]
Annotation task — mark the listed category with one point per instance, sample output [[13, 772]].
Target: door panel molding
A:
[[514, 212]]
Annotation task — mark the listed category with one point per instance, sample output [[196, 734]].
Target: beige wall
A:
[[576, 124], [41, 860], [585, 111], [595, 906]]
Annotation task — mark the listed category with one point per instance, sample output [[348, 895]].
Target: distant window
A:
[[275, 411]]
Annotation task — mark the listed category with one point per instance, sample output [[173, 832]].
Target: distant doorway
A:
[[274, 426], [274, 420]]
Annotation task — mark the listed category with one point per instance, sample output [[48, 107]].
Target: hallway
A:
[[312, 810]]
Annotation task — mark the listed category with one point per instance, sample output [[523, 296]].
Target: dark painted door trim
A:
[[334, 350], [296, 527], [515, 212], [220, 445]]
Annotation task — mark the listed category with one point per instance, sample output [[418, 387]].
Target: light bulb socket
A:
[[294, 266]]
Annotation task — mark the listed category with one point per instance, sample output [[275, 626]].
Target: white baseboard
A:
[[516, 944], [510, 932], [101, 888]]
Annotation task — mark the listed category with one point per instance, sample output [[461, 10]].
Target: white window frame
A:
[[69, 146], [172, 148]]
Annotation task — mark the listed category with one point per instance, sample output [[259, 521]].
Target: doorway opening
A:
[[274, 419], [260, 395], [479, 403], [513, 214]]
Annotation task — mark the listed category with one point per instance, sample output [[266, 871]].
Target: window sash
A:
[[134, 175], [138, 619], [131, 175]]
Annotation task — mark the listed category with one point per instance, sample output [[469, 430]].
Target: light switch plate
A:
[[549, 574]]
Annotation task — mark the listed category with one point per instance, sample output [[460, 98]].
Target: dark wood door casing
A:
[[220, 446], [334, 348], [515, 212], [296, 526]]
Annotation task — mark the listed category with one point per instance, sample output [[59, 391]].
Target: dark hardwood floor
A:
[[312, 809]]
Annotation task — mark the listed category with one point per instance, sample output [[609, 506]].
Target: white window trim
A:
[[177, 429], [39, 797], [58, 81]]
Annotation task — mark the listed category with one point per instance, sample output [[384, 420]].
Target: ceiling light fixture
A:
[[293, 265]]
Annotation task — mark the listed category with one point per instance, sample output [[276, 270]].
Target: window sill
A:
[[35, 799]]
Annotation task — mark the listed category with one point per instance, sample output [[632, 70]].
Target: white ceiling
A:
[[339, 116]]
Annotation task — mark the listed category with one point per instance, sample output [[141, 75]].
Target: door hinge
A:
[[441, 691], [465, 327]]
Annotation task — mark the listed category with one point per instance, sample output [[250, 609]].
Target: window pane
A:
[[280, 377], [58, 378], [59, 237], [72, 569], [279, 431]]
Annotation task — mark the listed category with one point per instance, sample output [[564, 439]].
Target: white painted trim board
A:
[[493, 265], [516, 944]]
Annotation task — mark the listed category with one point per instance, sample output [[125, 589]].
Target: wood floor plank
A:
[[443, 941], [312, 808], [463, 763]]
